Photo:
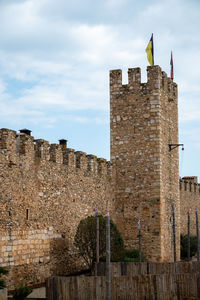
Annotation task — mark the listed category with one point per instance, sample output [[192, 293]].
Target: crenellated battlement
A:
[[156, 80], [17, 147], [189, 184]]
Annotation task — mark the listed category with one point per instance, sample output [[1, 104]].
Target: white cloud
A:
[[2, 87], [115, 4], [55, 56], [189, 108]]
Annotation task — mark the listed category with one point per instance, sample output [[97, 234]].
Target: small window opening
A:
[[27, 214], [9, 213]]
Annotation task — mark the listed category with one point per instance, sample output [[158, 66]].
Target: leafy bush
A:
[[184, 245], [85, 240], [132, 255], [3, 271], [21, 292]]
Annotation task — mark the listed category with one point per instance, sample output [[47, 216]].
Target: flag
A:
[[138, 224], [95, 213], [172, 67], [150, 51]]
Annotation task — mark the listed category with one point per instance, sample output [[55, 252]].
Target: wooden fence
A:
[[145, 268], [140, 287]]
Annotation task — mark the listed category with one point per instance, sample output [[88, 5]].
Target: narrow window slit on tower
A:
[[9, 213], [27, 214]]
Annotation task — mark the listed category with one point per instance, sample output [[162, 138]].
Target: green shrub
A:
[[21, 292], [184, 245], [129, 259], [132, 255], [85, 240], [3, 271]]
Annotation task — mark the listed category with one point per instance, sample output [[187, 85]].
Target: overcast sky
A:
[[55, 58]]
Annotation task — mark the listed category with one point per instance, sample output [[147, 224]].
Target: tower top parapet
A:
[[156, 79]]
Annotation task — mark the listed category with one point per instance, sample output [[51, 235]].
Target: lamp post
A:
[[139, 246], [188, 249], [139, 242], [97, 240], [197, 232], [108, 289], [174, 232]]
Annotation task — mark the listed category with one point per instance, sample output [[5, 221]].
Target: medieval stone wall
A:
[[45, 190], [189, 202]]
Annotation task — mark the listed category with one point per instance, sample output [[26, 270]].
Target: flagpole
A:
[[152, 49]]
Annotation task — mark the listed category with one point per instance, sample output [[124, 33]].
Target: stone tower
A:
[[144, 122]]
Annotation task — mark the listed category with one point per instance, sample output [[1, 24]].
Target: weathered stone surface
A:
[[145, 172], [45, 190], [190, 202]]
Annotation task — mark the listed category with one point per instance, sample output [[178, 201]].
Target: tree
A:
[[85, 240], [21, 292], [132, 255], [3, 271], [184, 245]]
